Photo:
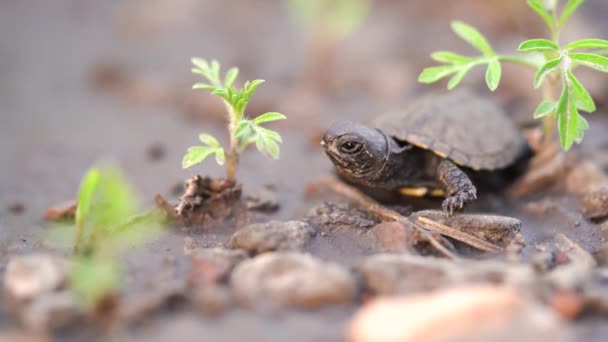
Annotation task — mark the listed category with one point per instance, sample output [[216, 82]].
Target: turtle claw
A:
[[457, 201]]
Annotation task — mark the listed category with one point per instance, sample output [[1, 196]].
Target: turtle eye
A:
[[350, 147]]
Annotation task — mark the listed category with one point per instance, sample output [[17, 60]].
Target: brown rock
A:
[[62, 211], [392, 237], [212, 265], [499, 230], [52, 311], [585, 177], [273, 236], [595, 203], [30, 276], [291, 279], [334, 216], [475, 313], [568, 304], [404, 274]]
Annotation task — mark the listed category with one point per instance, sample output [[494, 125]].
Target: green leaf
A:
[[268, 117], [470, 34], [88, 186], [94, 278], [220, 156], [434, 74], [591, 60], [493, 74], [457, 78], [209, 140], [544, 109], [203, 86], [231, 76], [570, 8], [564, 119], [580, 95], [587, 44], [272, 149], [539, 7], [537, 45], [450, 57], [200, 63], [269, 133], [243, 128], [546, 69], [197, 154]]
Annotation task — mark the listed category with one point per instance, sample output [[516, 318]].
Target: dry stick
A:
[[457, 235], [441, 248], [386, 214]]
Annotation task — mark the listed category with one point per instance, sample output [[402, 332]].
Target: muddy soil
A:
[[88, 80]]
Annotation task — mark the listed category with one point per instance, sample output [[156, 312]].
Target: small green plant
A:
[[106, 225], [338, 18], [553, 62], [242, 131]]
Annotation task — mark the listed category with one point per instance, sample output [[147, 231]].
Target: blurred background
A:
[[82, 80], [85, 80]]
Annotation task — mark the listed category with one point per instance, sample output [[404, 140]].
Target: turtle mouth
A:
[[329, 145]]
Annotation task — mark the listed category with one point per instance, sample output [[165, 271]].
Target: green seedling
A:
[[242, 131], [106, 225], [553, 62], [337, 18]]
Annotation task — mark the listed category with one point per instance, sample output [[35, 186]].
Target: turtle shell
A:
[[461, 126]]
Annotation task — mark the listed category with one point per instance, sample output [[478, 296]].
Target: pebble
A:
[[594, 204], [52, 311], [389, 274], [334, 216], [30, 276], [291, 279], [62, 211], [392, 237], [273, 236], [213, 265], [263, 200], [585, 177], [472, 313]]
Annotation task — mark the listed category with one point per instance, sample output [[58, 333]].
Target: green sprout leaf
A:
[[457, 78], [538, 45], [231, 76], [539, 7], [434, 74], [88, 186], [450, 57], [591, 60], [268, 117], [493, 74], [196, 155], [93, 278], [209, 140], [581, 96], [570, 8], [544, 109], [546, 69], [587, 44], [470, 34]]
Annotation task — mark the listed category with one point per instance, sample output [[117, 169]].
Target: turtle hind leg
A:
[[458, 187]]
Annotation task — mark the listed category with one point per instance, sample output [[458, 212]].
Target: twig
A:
[[438, 246], [386, 214], [456, 234], [167, 207]]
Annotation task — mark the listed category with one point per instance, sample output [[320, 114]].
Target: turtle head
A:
[[358, 152]]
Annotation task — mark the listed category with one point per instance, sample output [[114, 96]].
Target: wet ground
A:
[[63, 109]]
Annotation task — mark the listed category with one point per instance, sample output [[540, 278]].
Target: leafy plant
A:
[[106, 224], [553, 63], [243, 131], [339, 18]]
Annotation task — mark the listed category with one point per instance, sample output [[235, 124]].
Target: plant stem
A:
[[518, 60], [549, 121], [232, 157]]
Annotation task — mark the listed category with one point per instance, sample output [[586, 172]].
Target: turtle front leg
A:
[[458, 187]]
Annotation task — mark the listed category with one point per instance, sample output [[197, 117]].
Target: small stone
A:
[[52, 311], [189, 245], [585, 177], [291, 279], [500, 230], [30, 276], [263, 200], [388, 274], [595, 203], [213, 265], [212, 300], [333, 216], [475, 313], [62, 211], [568, 304], [392, 237], [16, 208], [273, 236], [156, 152]]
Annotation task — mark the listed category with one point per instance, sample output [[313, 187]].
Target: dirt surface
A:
[[84, 81]]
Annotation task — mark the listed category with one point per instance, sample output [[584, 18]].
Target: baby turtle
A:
[[416, 151]]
